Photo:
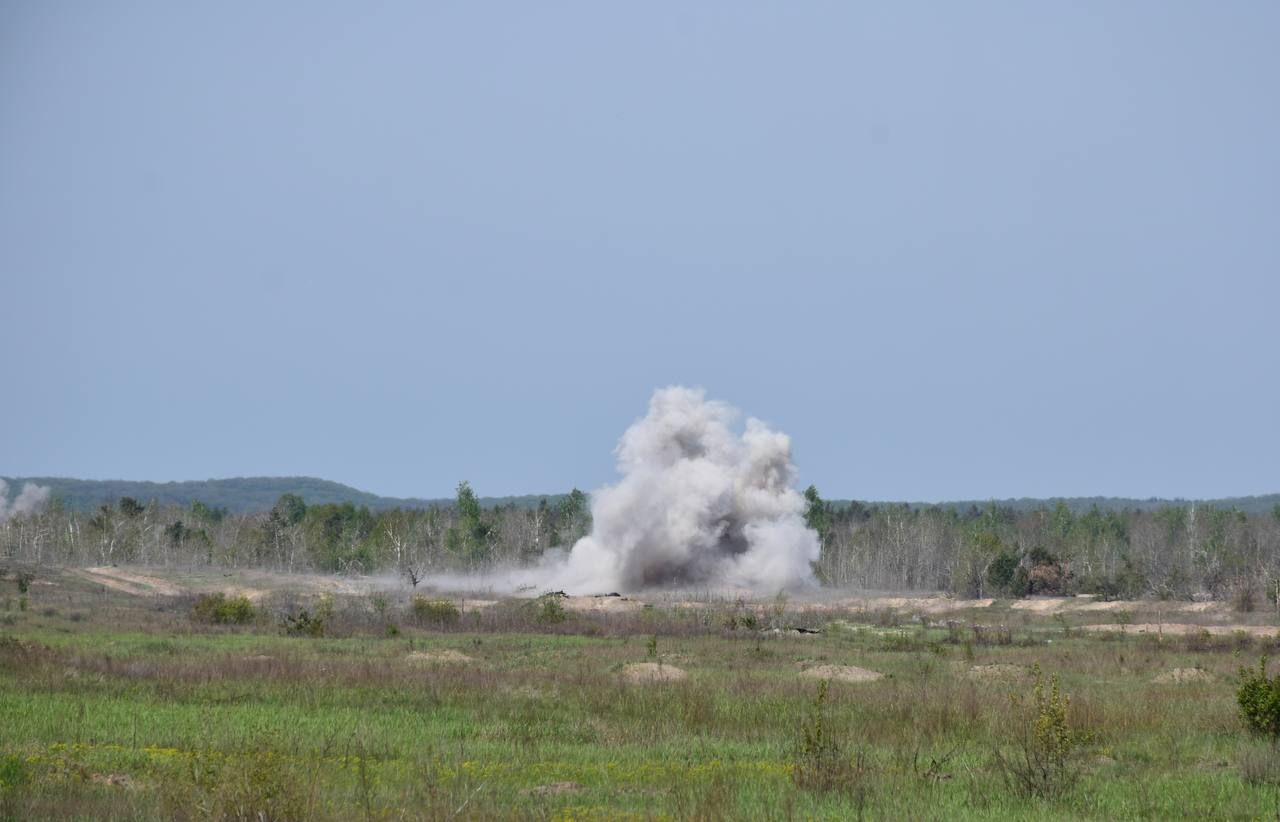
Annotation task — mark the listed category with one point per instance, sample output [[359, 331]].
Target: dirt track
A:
[[258, 584]]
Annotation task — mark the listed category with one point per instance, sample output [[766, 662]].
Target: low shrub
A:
[[1045, 762], [13, 772], [821, 762], [547, 609], [258, 786], [219, 609], [308, 623], [1259, 699], [435, 612]]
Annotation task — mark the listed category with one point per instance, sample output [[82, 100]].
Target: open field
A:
[[118, 702]]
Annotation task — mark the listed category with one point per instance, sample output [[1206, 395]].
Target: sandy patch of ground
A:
[[999, 670], [118, 579], [115, 780], [643, 673], [476, 604], [446, 655], [251, 594], [936, 604], [1086, 604], [843, 673], [554, 789], [1181, 675], [597, 605], [910, 605], [1185, 629]]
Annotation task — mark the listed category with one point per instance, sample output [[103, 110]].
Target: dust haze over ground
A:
[[27, 501], [698, 505]]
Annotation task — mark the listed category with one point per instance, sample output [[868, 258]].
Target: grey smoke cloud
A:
[[28, 500], [698, 504]]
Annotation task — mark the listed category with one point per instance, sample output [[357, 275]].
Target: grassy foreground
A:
[[127, 707]]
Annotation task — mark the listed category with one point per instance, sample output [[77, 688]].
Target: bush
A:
[[548, 609], [13, 772], [1259, 700], [821, 762], [1045, 763], [437, 612], [307, 623], [258, 786], [219, 609]]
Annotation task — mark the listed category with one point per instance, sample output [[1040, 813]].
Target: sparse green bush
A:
[[251, 787], [13, 772], [1259, 700], [309, 623], [437, 612], [549, 610], [25, 578], [220, 609], [1045, 763], [821, 762]]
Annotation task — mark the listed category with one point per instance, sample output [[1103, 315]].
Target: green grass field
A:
[[126, 707]]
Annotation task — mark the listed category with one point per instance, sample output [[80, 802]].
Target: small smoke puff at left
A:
[[30, 499]]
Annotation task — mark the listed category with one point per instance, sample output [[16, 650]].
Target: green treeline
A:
[[463, 534], [991, 550], [1169, 552]]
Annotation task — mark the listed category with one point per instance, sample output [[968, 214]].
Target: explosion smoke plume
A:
[[28, 500], [698, 504]]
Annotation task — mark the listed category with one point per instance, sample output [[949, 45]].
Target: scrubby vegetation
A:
[[219, 609], [1259, 698], [437, 613], [141, 711]]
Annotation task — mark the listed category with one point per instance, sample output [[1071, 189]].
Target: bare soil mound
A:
[[644, 673], [447, 655], [1183, 675], [843, 673]]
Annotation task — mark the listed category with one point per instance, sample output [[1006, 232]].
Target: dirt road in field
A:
[[118, 579]]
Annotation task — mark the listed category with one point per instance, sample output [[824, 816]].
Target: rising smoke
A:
[[698, 504], [28, 500]]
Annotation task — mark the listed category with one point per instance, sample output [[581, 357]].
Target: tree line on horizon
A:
[[1170, 552]]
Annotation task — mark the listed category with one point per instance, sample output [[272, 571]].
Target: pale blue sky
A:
[[956, 250]]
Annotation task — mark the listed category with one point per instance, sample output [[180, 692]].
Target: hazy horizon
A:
[[827, 493]]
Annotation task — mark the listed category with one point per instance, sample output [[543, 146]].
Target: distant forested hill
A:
[[239, 495], [1263, 504], [248, 494]]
